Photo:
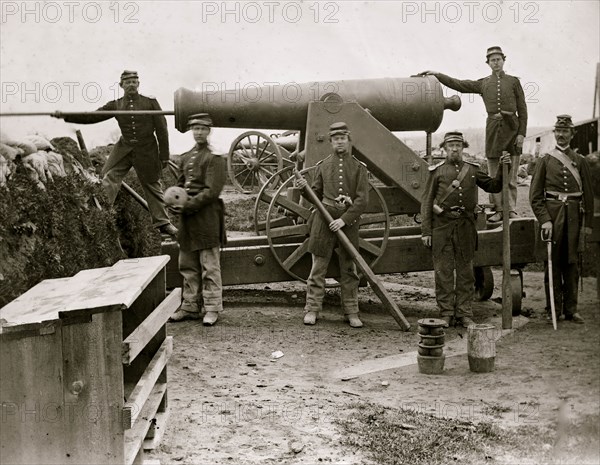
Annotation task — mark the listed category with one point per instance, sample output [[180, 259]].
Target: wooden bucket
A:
[[481, 348]]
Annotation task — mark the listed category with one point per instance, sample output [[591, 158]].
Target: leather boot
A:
[[310, 318], [354, 320], [181, 315], [210, 318]]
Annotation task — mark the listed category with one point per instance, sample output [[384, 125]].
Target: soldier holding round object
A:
[[562, 200], [448, 226], [506, 123], [176, 196], [202, 175]]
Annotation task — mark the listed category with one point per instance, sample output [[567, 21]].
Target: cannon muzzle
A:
[[400, 104]]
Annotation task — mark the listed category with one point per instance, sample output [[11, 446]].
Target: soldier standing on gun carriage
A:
[[448, 226], [341, 183], [137, 147], [562, 200], [506, 123]]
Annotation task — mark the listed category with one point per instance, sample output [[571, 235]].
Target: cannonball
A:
[[175, 196]]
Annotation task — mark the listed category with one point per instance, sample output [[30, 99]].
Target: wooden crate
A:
[[83, 366]]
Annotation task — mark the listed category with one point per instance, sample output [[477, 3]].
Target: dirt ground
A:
[[232, 402]]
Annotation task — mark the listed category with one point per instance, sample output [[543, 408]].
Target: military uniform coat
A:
[[465, 196], [202, 174], [337, 175], [138, 137], [552, 176], [502, 94]]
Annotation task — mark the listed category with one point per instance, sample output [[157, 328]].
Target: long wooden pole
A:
[[380, 291], [506, 284], [95, 113]]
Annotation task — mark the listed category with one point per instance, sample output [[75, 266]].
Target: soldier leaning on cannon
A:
[[506, 122], [137, 147], [448, 226], [202, 226], [562, 200], [342, 185]]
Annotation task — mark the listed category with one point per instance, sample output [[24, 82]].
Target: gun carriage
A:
[[373, 109]]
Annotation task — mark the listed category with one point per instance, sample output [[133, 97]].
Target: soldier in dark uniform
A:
[[506, 123], [201, 231], [562, 200], [342, 185], [448, 226], [137, 147]]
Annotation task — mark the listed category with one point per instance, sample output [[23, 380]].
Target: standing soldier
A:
[[202, 227], [448, 226], [137, 147], [506, 122], [562, 200], [342, 185]]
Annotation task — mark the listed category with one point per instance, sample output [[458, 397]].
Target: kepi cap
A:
[[338, 128], [564, 121], [202, 119], [454, 136], [128, 75], [493, 51]]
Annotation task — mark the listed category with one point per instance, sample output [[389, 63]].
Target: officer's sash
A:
[[454, 184], [568, 163]]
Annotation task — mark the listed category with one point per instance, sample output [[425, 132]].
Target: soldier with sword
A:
[[562, 200]]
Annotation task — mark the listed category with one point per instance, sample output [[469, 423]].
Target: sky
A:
[[68, 55]]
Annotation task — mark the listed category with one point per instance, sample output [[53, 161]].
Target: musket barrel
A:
[[400, 104]]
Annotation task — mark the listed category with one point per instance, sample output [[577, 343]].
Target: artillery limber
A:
[[372, 109]]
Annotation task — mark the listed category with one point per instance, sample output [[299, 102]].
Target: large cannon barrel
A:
[[400, 104]]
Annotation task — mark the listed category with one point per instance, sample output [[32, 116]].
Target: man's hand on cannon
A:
[[426, 240], [336, 225], [427, 73]]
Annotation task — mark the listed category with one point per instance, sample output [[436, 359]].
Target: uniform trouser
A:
[[496, 199], [454, 297], [153, 192], [565, 278], [202, 286], [315, 285]]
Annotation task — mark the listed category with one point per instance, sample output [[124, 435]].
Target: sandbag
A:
[[40, 142]]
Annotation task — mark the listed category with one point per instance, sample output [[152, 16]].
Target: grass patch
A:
[[397, 436]]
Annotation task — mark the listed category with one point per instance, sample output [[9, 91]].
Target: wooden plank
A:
[[121, 284], [43, 301], [133, 317], [140, 393], [140, 337], [156, 431], [92, 358], [453, 348], [33, 418], [134, 437]]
